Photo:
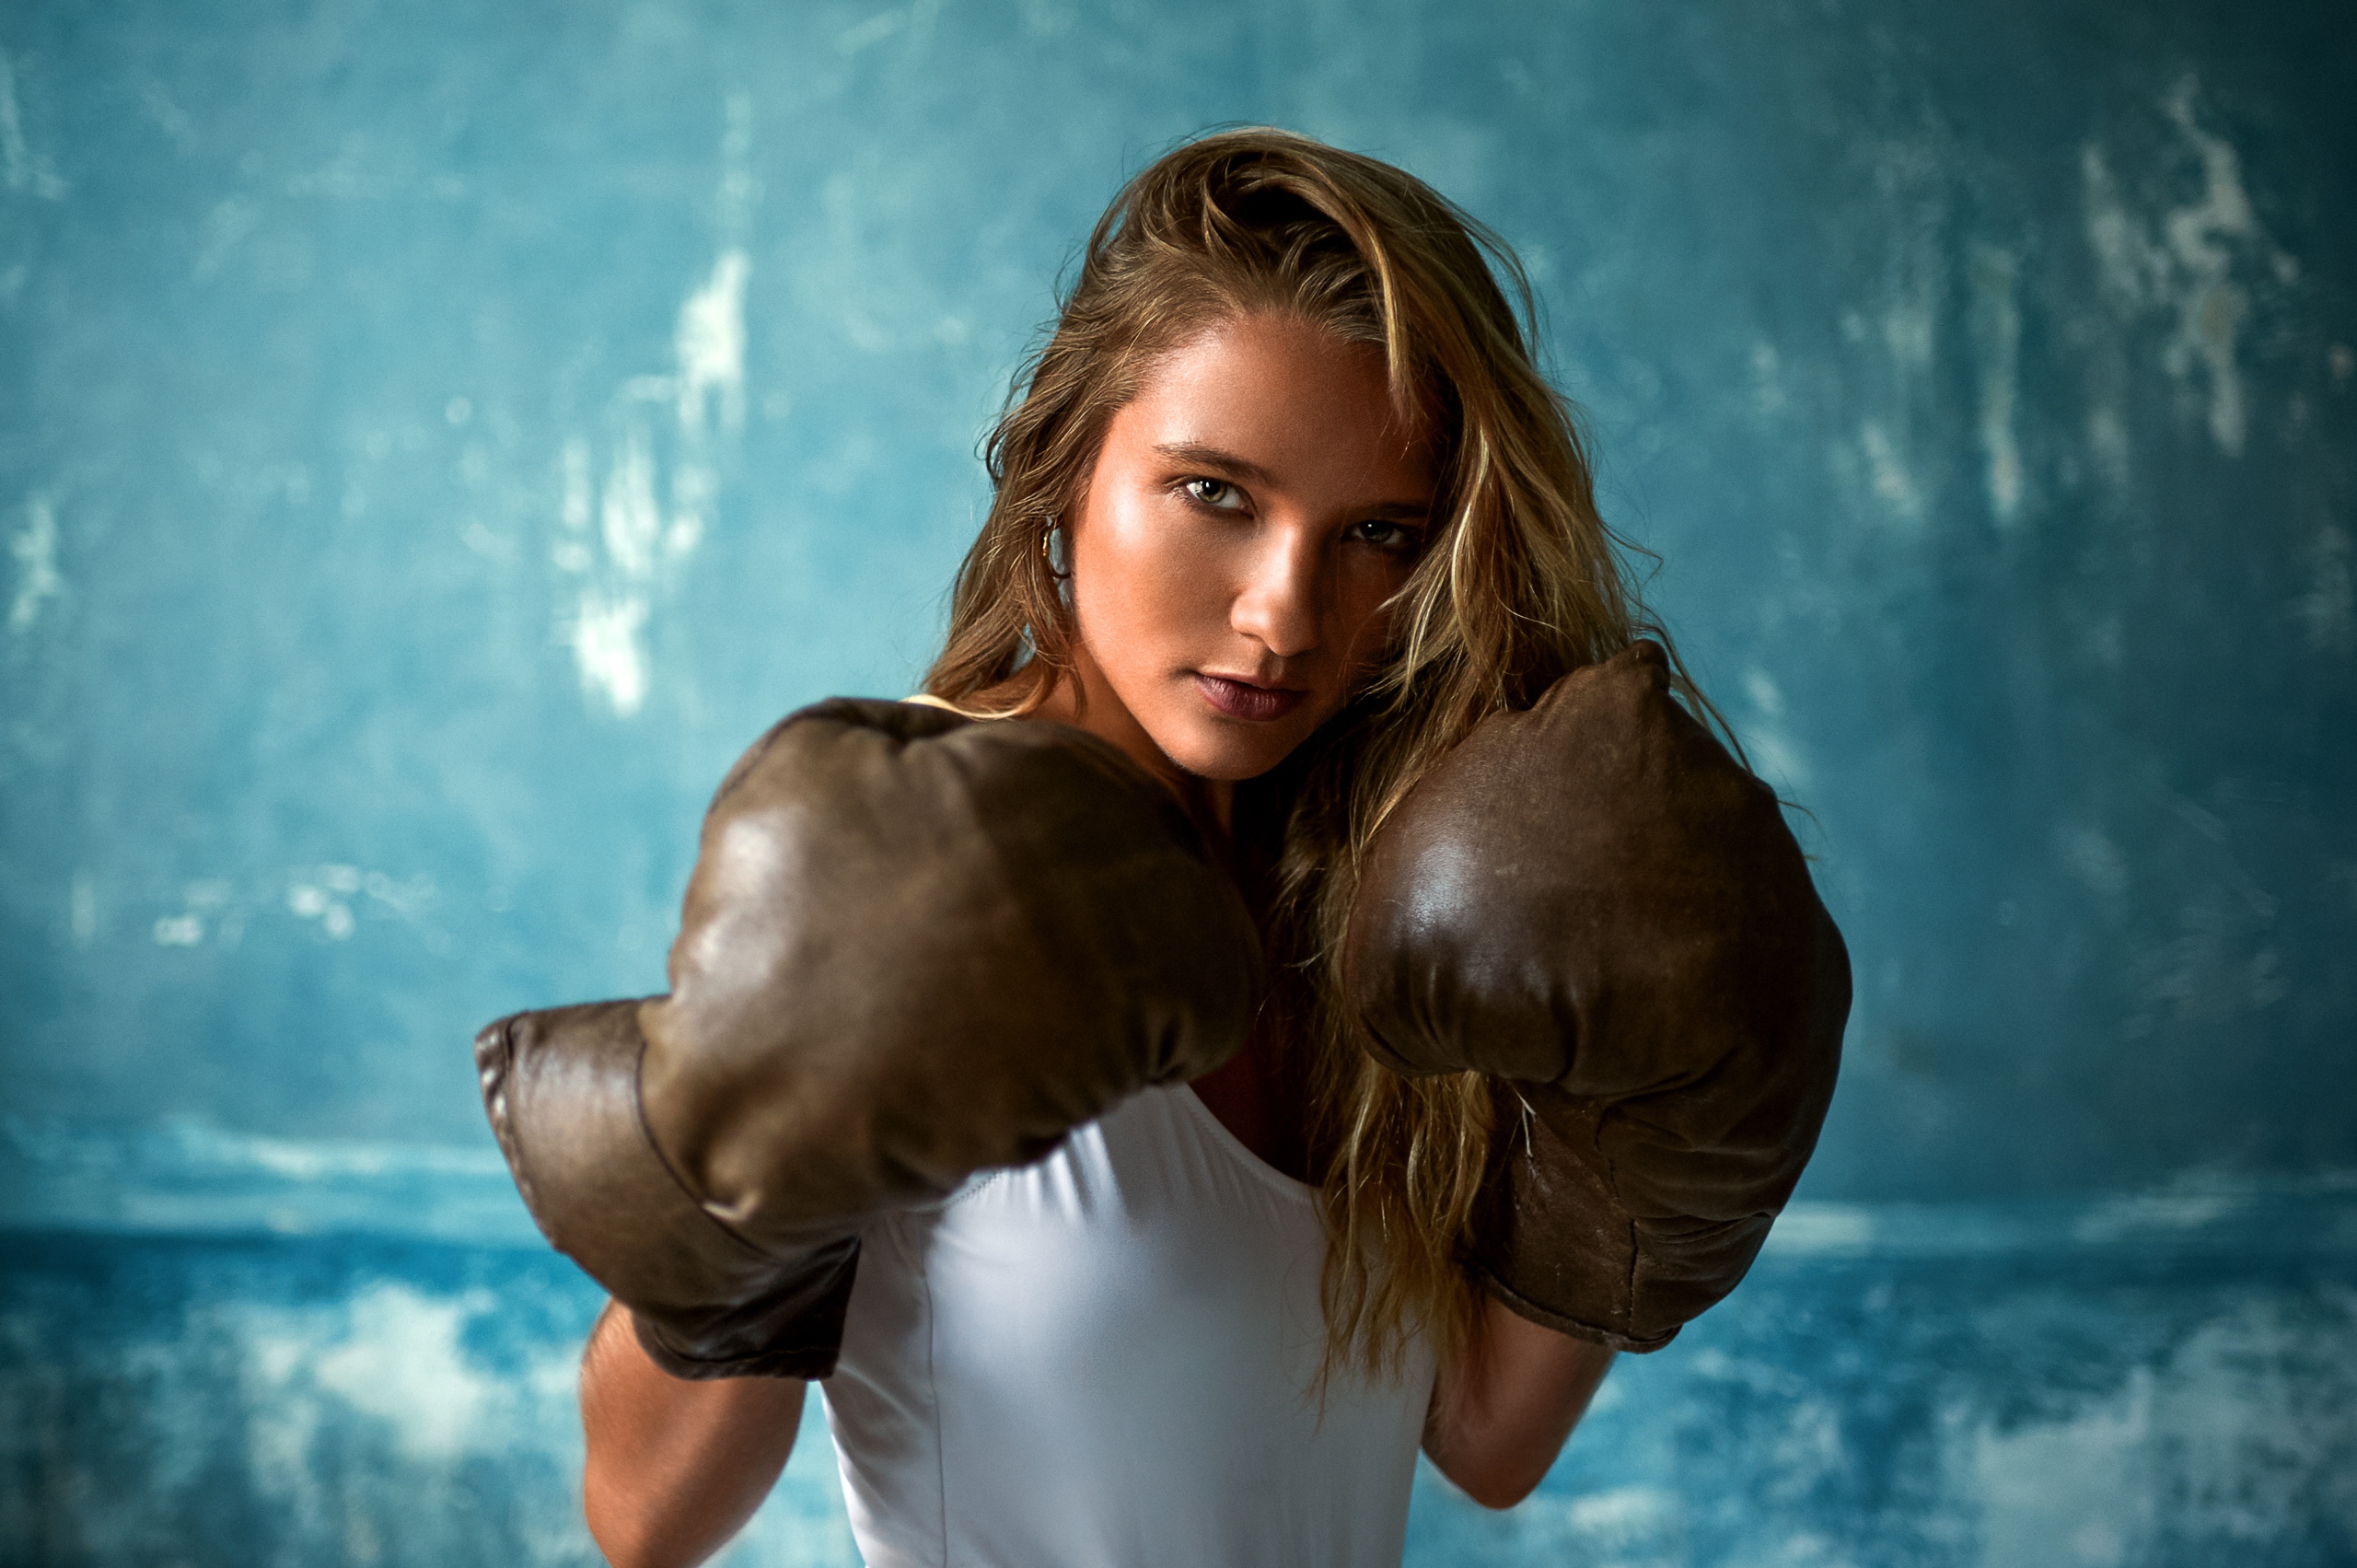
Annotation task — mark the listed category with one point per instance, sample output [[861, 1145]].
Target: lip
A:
[[1243, 699]]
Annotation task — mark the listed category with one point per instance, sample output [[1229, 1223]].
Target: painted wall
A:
[[433, 439]]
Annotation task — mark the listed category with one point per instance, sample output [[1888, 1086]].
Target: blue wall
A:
[[433, 439]]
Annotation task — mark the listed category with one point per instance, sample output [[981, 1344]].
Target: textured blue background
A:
[[433, 439]]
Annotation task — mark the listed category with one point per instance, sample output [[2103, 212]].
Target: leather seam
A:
[[1612, 1185], [502, 1120], [646, 1131], [1524, 1306]]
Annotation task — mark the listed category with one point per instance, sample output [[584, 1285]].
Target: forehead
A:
[[1285, 396]]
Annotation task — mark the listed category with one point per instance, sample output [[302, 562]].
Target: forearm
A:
[[675, 1468], [1500, 1413]]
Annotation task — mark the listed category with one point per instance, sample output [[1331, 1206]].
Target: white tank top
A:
[[1105, 1358]]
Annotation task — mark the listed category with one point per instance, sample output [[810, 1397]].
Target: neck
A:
[[1086, 700]]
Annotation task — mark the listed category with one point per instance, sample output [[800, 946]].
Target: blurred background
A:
[[435, 438]]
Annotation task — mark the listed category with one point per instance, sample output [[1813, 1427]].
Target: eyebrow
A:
[[1196, 454]]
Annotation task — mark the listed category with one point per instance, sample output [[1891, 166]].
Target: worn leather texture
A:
[[1592, 900], [914, 946], [561, 1091]]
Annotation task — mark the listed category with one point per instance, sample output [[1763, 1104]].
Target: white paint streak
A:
[[2108, 444], [225, 228], [710, 352], [1767, 380], [1623, 1515], [874, 31], [170, 117], [1887, 474], [323, 894], [571, 552], [740, 188], [2092, 858], [1773, 751], [2186, 261], [610, 610], [2130, 267], [915, 20], [2330, 606], [604, 637], [2234, 1433], [630, 521], [404, 897], [1909, 331], [209, 1155], [709, 347], [22, 168], [1628, 1526], [383, 1379], [1780, 760], [35, 548], [1997, 333], [179, 931], [575, 513], [2064, 1492], [2212, 308], [82, 908], [1910, 177], [693, 489], [401, 1362], [2138, 1215], [1813, 1229], [660, 487], [208, 911]]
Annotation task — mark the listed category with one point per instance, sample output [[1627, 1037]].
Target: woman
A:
[[1283, 510]]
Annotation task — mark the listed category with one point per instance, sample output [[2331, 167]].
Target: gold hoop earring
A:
[[1048, 552]]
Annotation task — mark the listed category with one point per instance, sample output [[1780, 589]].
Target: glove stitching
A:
[[502, 1122], [1612, 1185], [1525, 1308], [646, 1131]]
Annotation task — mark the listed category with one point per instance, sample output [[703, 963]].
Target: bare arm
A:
[[1500, 1414], [675, 1468]]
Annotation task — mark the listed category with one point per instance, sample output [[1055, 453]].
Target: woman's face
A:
[[1251, 512]]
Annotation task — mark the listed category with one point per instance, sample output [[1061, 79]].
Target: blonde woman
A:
[[1297, 989]]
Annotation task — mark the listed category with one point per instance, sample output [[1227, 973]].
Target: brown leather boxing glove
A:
[[915, 947], [1593, 901]]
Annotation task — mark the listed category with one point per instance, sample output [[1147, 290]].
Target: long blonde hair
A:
[[1521, 582]]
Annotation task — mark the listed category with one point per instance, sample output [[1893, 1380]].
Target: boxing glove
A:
[[914, 946], [1591, 900]]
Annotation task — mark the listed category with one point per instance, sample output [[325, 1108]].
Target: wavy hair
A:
[[1521, 582]]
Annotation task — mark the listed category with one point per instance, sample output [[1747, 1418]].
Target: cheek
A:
[[1140, 587], [1363, 608]]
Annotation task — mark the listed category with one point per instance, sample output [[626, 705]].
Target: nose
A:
[[1283, 597]]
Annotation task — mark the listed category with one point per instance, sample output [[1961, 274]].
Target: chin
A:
[[1228, 750]]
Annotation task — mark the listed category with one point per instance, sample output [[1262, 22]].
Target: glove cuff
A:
[[1557, 1238], [561, 1091], [795, 1331], [1524, 1307]]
